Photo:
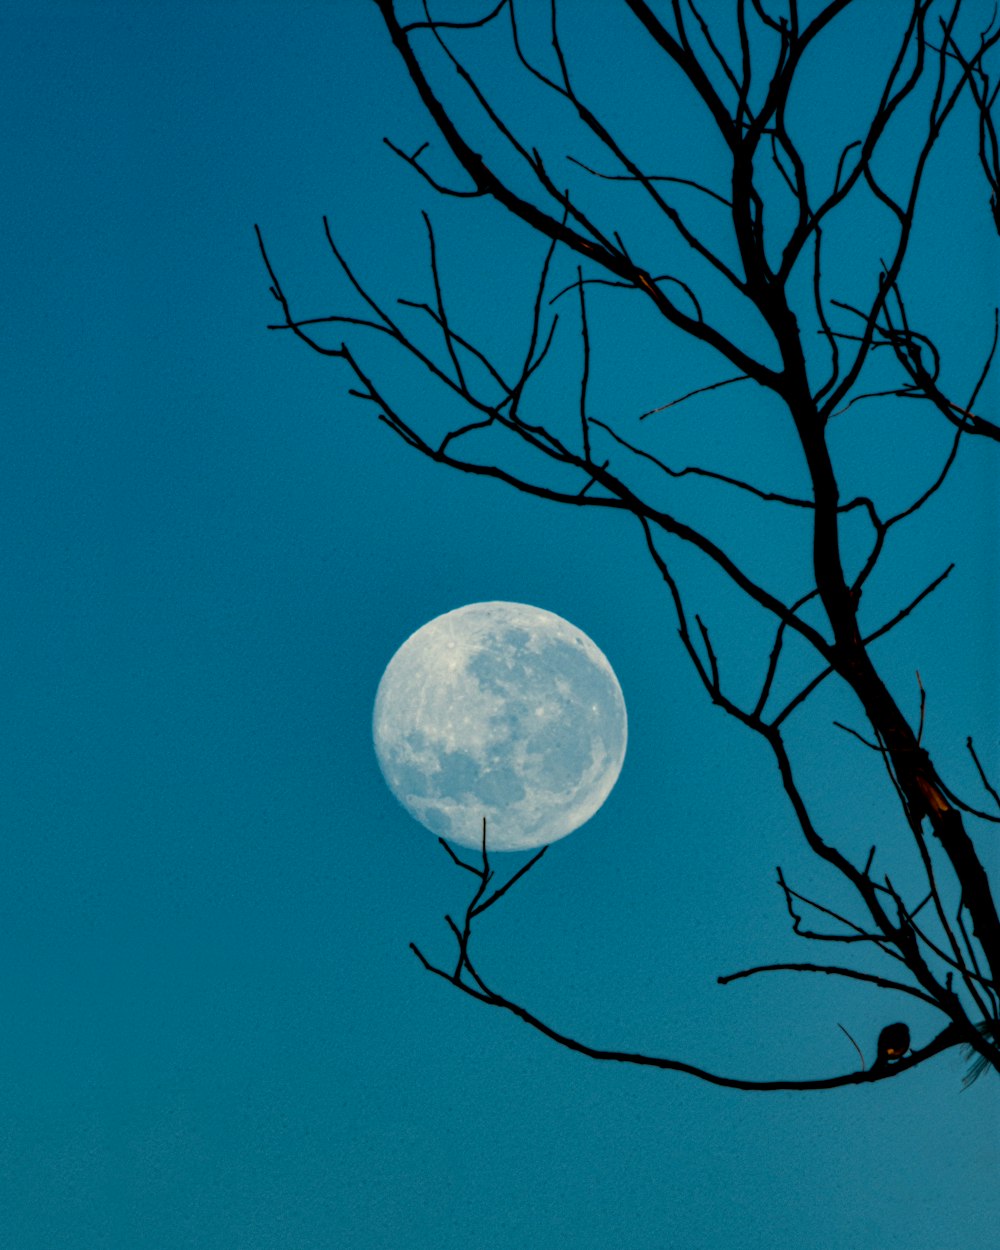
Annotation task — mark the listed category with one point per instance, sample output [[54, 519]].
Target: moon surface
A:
[[503, 711]]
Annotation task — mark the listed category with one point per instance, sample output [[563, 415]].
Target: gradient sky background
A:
[[214, 1034]]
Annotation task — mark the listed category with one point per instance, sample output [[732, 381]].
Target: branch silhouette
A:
[[737, 267]]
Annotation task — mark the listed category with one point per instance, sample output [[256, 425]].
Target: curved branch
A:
[[682, 182], [470, 25], [413, 161], [830, 970], [948, 1037]]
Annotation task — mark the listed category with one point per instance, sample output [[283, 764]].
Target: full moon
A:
[[502, 711]]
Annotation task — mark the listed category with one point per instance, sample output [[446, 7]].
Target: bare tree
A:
[[751, 239]]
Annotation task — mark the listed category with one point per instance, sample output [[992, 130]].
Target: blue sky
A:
[[215, 1035]]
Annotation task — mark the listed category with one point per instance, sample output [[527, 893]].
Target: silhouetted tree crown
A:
[[778, 256]]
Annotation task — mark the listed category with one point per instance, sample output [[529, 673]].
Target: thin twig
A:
[[854, 1044], [994, 795], [701, 390]]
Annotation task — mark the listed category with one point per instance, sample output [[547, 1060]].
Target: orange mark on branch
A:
[[935, 800]]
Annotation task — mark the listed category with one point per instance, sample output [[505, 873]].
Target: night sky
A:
[[215, 1035]]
